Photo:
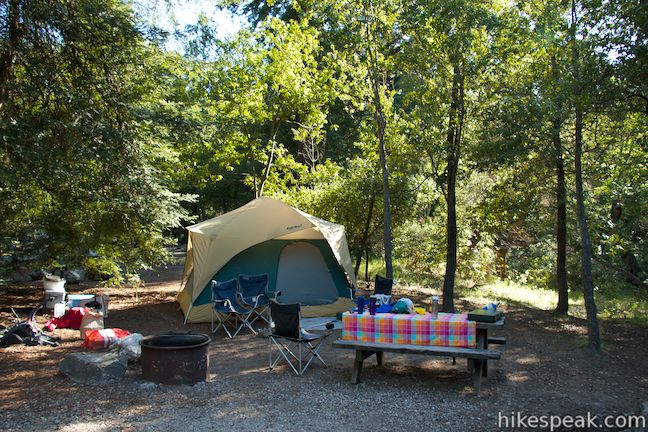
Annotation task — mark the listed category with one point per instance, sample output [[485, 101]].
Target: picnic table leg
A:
[[357, 366], [477, 375], [379, 357], [482, 343]]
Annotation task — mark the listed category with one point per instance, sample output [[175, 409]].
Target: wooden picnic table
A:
[[477, 357]]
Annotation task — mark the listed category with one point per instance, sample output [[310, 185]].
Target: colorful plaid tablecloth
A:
[[451, 330]]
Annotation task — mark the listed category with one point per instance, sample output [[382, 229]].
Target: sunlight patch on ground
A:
[[518, 377], [528, 360], [90, 426], [506, 292]]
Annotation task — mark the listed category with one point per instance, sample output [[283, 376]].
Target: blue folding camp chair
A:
[[254, 293], [225, 307]]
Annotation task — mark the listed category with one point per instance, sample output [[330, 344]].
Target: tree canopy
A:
[[458, 139]]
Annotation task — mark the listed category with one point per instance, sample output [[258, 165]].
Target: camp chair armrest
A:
[[272, 295], [251, 301], [224, 302]]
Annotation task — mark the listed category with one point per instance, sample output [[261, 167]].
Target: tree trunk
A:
[[500, 253], [274, 127], [594, 337], [633, 270], [453, 143], [366, 278], [561, 223], [8, 57], [381, 123], [365, 233]]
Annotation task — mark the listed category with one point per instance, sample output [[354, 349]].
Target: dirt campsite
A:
[[545, 370]]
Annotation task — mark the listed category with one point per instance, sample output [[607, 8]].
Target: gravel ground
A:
[[544, 371]]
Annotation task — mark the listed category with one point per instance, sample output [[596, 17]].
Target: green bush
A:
[[100, 268], [419, 244]]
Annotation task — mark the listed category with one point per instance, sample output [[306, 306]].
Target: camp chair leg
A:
[[222, 323], [261, 314], [295, 360], [244, 323], [283, 349], [315, 353]]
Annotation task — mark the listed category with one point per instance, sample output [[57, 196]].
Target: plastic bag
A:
[[400, 307], [403, 306], [101, 339], [91, 321]]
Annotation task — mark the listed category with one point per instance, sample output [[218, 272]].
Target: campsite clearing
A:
[[544, 370]]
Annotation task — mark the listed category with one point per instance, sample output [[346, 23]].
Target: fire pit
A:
[[175, 358]]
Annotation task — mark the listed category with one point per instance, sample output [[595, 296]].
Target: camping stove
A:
[[175, 358]]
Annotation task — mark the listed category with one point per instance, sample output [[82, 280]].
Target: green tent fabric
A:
[[264, 258]]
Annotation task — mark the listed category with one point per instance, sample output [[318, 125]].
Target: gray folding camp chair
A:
[[225, 308], [254, 293], [288, 336]]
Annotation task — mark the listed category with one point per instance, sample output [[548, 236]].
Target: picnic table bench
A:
[[477, 357]]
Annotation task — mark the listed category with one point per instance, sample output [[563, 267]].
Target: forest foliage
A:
[[111, 143]]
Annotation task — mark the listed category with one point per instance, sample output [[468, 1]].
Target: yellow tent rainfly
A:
[[306, 258]]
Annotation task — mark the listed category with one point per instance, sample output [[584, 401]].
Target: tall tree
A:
[[74, 82], [377, 22], [586, 242], [450, 44]]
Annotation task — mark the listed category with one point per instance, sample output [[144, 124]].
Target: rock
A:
[[147, 385], [645, 410], [38, 274], [129, 348], [21, 274], [52, 277], [93, 368], [74, 276]]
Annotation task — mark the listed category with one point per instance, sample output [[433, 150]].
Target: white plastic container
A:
[[103, 301], [53, 297], [54, 283], [59, 309], [79, 300]]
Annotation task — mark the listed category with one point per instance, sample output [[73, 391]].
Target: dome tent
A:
[[306, 258]]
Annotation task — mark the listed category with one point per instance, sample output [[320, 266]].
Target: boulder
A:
[[129, 348], [74, 276], [21, 274], [94, 368], [38, 274]]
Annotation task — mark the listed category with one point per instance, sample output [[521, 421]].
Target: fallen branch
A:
[[636, 281]]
